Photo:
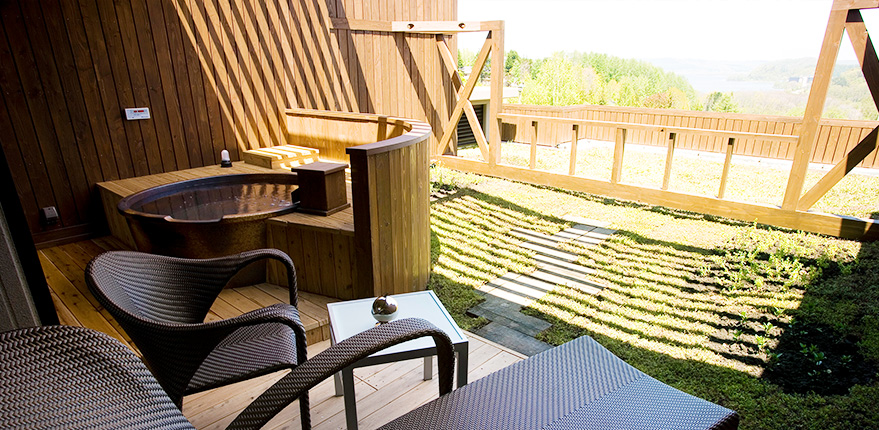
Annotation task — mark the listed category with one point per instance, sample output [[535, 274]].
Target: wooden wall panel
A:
[[216, 74]]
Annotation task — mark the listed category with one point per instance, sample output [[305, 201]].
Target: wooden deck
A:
[[383, 392]]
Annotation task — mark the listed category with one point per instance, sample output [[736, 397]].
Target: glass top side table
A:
[[354, 316]]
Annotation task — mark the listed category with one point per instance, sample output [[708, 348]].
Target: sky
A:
[[723, 30]]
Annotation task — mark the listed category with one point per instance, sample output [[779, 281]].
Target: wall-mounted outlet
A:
[[49, 215], [132, 114]]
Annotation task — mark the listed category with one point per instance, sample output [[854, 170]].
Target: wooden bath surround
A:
[[379, 245]]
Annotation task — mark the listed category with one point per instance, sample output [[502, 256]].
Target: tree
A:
[[557, 82], [511, 58], [721, 102]]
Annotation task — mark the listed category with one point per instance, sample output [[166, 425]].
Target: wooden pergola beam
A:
[[866, 53], [497, 93], [831, 178], [423, 27], [814, 107], [445, 27], [855, 4]]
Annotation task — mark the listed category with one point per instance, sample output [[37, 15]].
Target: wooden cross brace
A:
[[845, 17]]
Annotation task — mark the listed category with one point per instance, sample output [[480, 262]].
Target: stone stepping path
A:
[[506, 295]]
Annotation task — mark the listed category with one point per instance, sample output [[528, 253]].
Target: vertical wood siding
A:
[[216, 74]]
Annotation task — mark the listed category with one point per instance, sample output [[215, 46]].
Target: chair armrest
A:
[[340, 356], [280, 313], [248, 257], [198, 340]]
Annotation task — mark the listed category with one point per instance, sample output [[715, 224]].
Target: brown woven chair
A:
[[161, 302], [75, 378], [58, 377]]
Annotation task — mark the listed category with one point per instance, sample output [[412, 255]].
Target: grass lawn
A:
[[781, 326]]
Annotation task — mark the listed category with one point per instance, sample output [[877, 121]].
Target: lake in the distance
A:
[[707, 76]]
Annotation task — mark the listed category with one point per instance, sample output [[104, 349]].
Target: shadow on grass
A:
[[781, 332], [471, 244]]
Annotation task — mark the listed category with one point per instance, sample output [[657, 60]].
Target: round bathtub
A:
[[209, 217]]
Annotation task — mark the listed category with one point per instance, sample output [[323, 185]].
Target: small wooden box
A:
[[281, 157], [322, 188]]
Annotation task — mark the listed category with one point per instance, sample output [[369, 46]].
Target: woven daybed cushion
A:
[[579, 385]]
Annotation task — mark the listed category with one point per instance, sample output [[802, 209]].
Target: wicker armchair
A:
[[75, 378], [161, 302]]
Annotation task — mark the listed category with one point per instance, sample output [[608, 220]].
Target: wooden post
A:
[[869, 61], [618, 155], [532, 161], [814, 107], [497, 94], [669, 157], [575, 137], [726, 163]]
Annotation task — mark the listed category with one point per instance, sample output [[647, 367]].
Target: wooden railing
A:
[[621, 131], [669, 136], [835, 139]]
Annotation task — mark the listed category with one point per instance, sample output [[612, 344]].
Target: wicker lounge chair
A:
[[579, 385], [61, 377]]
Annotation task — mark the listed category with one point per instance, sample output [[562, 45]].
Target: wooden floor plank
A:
[[383, 391], [79, 306], [65, 317], [239, 301]]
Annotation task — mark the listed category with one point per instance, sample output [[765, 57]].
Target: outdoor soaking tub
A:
[[379, 244], [209, 217]]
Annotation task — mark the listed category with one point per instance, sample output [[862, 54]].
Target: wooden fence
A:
[[671, 137], [835, 137]]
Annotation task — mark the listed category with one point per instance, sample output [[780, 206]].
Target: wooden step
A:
[[281, 157]]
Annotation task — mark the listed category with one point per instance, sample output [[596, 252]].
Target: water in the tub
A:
[[213, 203]]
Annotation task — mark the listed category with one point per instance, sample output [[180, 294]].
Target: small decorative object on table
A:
[[384, 309]]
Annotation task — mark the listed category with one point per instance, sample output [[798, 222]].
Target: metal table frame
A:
[[422, 304]]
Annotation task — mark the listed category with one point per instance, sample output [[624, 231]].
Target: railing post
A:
[[726, 163], [669, 156], [532, 163], [575, 137], [497, 94], [618, 155]]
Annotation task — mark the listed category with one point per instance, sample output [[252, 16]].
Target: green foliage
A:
[[721, 102], [466, 58], [510, 59], [577, 78]]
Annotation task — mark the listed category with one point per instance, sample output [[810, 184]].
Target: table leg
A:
[[337, 381], [463, 351], [350, 401], [428, 368]]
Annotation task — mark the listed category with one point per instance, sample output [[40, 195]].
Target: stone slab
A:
[[520, 322], [512, 339]]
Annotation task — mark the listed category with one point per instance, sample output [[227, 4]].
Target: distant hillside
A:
[[848, 96]]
